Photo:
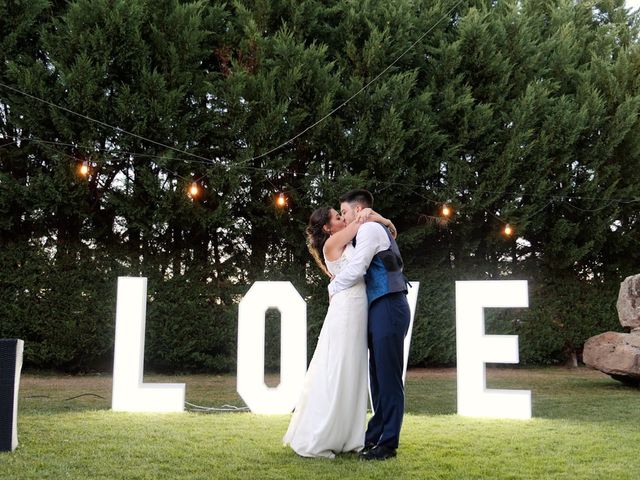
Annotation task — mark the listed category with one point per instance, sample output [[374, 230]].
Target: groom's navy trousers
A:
[[388, 324]]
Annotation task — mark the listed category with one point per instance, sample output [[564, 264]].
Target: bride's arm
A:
[[368, 215], [335, 244]]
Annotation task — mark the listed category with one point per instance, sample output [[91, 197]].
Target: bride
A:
[[330, 415]]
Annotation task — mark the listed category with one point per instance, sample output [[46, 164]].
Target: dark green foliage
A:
[[513, 112]]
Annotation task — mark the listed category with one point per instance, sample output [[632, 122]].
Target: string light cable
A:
[[84, 167], [223, 408], [281, 198], [99, 122], [211, 161], [111, 151], [367, 85], [87, 394], [266, 171]]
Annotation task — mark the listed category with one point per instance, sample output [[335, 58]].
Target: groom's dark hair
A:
[[363, 197]]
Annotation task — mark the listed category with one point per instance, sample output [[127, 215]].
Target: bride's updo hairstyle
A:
[[317, 236]]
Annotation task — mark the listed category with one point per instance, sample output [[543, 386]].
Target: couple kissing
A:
[[368, 314]]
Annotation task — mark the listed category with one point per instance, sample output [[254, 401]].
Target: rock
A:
[[629, 303], [616, 354]]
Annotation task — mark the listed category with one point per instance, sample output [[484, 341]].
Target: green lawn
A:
[[585, 426]]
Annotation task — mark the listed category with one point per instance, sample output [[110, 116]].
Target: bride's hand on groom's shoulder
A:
[[364, 214]]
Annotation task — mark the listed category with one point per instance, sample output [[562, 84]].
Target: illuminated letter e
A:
[[474, 349]]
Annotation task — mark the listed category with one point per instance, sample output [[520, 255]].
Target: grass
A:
[[585, 426]]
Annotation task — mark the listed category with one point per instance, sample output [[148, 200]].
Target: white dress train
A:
[[330, 415]]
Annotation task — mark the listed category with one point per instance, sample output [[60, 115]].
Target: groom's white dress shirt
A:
[[370, 240]]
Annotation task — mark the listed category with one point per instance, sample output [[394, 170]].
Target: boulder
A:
[[629, 303], [616, 354]]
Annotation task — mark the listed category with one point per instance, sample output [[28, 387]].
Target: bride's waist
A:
[[357, 288]]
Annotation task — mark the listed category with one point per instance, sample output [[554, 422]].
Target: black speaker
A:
[[10, 367]]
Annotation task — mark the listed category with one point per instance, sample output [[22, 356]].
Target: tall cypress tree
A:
[[516, 111]]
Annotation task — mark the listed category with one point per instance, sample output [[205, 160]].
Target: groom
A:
[[377, 258]]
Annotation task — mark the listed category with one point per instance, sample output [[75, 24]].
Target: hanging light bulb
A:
[[83, 169], [281, 200], [508, 230], [446, 210], [194, 190]]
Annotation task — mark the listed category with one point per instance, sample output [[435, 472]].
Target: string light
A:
[[83, 169], [446, 211], [281, 201], [508, 230]]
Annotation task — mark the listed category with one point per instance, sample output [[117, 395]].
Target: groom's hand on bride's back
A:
[[332, 277]]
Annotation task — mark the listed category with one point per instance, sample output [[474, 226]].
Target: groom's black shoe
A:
[[379, 452], [367, 447]]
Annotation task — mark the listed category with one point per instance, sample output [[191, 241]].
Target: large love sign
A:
[[131, 394]]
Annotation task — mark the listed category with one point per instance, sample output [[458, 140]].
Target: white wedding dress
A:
[[330, 415]]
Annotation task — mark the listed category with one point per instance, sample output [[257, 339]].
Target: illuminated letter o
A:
[[293, 347]]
